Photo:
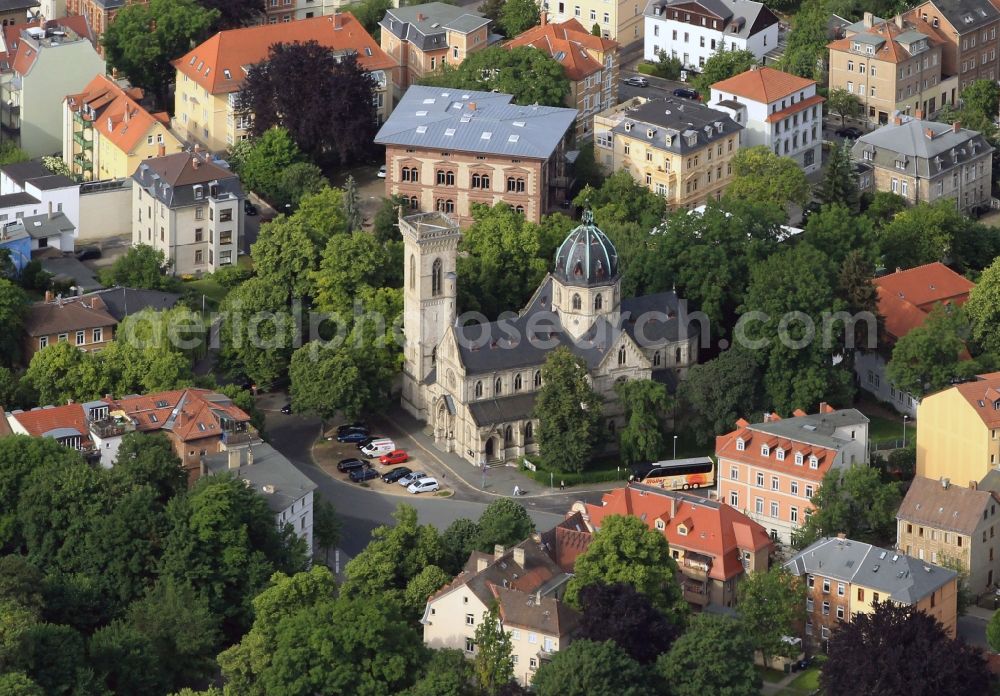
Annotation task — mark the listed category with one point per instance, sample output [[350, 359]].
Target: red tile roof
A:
[[713, 528], [795, 108], [909, 295], [568, 43], [763, 84], [115, 113], [39, 421], [235, 50], [567, 540], [25, 54], [725, 446], [890, 51]]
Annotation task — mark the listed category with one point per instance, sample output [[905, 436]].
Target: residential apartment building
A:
[[28, 189], [771, 470], [694, 30], [679, 149], [969, 30], [926, 161], [947, 524], [890, 66], [446, 150], [210, 76], [620, 20], [17, 11], [288, 492], [778, 110], [44, 63], [905, 298], [959, 433], [280, 11], [527, 584], [845, 578], [590, 62], [107, 132], [713, 544], [190, 209], [420, 39], [99, 13]]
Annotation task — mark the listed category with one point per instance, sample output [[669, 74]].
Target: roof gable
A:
[[764, 84]]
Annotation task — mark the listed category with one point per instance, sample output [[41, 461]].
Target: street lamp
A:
[[906, 417], [675, 447]]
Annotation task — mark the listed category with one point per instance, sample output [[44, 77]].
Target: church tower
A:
[[430, 251]]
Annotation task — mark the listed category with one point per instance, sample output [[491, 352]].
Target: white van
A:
[[376, 448]]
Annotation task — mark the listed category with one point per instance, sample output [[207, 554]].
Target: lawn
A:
[[209, 287], [771, 676], [806, 682], [884, 425]]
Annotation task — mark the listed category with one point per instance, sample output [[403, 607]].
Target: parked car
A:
[[376, 448], [351, 435], [87, 253], [393, 475], [366, 474], [849, 132], [286, 409], [361, 444], [248, 207], [685, 93], [424, 485], [636, 81], [356, 425], [411, 478], [397, 456], [350, 464], [381, 172]]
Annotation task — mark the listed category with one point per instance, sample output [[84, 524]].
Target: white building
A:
[[779, 110], [28, 189], [692, 30]]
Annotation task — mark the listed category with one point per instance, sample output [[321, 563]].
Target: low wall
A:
[[105, 209]]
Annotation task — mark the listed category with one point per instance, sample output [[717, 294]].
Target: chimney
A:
[[195, 162], [472, 106], [51, 214], [538, 597], [197, 148], [519, 555], [919, 114], [233, 461], [973, 485], [544, 18], [421, 16], [338, 21], [250, 455], [162, 150], [897, 120], [482, 564], [49, 296], [899, 23], [869, 20], [929, 133], [956, 126], [498, 551], [825, 407]]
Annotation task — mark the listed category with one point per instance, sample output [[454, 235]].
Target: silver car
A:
[[424, 485], [411, 478]]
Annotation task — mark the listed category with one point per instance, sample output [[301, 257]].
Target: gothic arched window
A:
[[577, 304], [517, 383], [436, 278], [622, 355], [598, 302], [529, 432], [497, 387], [656, 359], [538, 379], [479, 390], [508, 436]]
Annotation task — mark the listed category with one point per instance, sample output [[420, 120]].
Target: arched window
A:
[[440, 177], [479, 390], [598, 302], [436, 278], [484, 181], [577, 304], [414, 202], [519, 210], [449, 206], [508, 436], [511, 184], [450, 178], [477, 181], [677, 356], [656, 359], [622, 355], [538, 379], [497, 387], [434, 355], [517, 383], [413, 271], [529, 432]]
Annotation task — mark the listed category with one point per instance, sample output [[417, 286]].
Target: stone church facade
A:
[[475, 384]]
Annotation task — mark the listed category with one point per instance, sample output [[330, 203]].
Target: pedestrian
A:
[[517, 491], [562, 485]]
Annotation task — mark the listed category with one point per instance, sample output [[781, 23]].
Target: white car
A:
[[381, 172], [411, 478], [424, 485]]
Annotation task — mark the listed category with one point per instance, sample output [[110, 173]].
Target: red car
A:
[[395, 457]]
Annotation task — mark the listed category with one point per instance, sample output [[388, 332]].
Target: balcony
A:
[[111, 427], [79, 118], [80, 139], [695, 592], [239, 438], [83, 163], [696, 565]]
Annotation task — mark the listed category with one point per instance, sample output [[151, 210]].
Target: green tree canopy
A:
[[569, 413], [770, 608], [142, 266], [259, 331], [712, 657], [840, 180], [504, 522], [587, 668], [647, 405], [530, 75], [930, 232], [494, 661], [843, 103], [837, 230], [718, 392], [620, 613], [806, 46], [261, 163], [760, 175], [927, 358], [150, 459], [13, 305], [983, 309], [448, 673], [722, 65], [517, 16]]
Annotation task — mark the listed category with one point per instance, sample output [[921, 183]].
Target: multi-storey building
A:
[[190, 209], [969, 31], [694, 30], [28, 189], [959, 433], [210, 76], [679, 149], [926, 161], [620, 20], [845, 578], [954, 526], [99, 13], [44, 63], [771, 470], [890, 66], [421, 39], [446, 150], [281, 11], [590, 62], [107, 132], [905, 298], [778, 110], [17, 11], [713, 544]]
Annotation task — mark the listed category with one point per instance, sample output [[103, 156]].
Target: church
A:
[[475, 384]]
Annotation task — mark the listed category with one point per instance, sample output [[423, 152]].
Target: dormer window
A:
[[765, 451], [780, 454], [813, 462], [660, 525], [740, 444], [650, 132], [798, 458], [199, 192], [857, 46], [682, 530]]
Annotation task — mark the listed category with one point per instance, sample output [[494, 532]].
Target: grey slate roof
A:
[[425, 26], [15, 199], [507, 408], [70, 269], [814, 428], [924, 156], [732, 12], [269, 468], [480, 122], [903, 578], [51, 181], [19, 172], [121, 302], [171, 179], [953, 508], [40, 226], [673, 121], [967, 15]]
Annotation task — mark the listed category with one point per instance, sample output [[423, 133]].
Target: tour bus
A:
[[676, 474]]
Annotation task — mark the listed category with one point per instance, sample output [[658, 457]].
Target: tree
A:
[[840, 181], [983, 309], [352, 205], [762, 176], [843, 103], [459, 540], [993, 632], [13, 305], [323, 215], [770, 605], [646, 406], [494, 661], [856, 289], [587, 668], [144, 38], [619, 613], [667, 66], [927, 358], [52, 656], [502, 69], [259, 332], [149, 459], [722, 65], [517, 16], [125, 661], [56, 165], [854, 501], [504, 522], [982, 97], [233, 14], [716, 393], [326, 526], [807, 41], [18, 684], [919, 660], [882, 206], [296, 181], [336, 124], [337, 283], [285, 257], [142, 266], [624, 549], [596, 29], [12, 154], [448, 673], [261, 163], [930, 232], [569, 413], [712, 657], [837, 230], [420, 587]]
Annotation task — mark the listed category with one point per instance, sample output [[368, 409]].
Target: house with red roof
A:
[[211, 74], [905, 298], [713, 543], [590, 63], [771, 470]]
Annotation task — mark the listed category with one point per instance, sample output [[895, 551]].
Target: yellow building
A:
[[621, 20], [677, 148], [210, 76], [107, 133], [958, 431]]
